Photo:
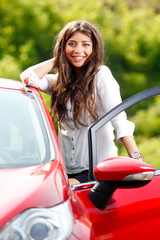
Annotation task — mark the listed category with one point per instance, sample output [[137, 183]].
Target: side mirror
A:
[[118, 172]]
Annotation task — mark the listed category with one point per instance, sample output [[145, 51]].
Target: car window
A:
[[23, 137], [146, 123]]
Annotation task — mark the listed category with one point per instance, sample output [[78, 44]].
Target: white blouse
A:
[[74, 140]]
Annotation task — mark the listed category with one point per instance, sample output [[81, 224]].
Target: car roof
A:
[[11, 84]]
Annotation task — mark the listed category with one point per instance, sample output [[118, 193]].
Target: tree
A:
[[130, 29]]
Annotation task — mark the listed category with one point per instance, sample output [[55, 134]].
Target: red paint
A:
[[132, 213], [120, 168]]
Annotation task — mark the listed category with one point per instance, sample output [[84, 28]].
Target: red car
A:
[[121, 200]]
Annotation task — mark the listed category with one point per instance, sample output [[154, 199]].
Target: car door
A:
[[133, 209]]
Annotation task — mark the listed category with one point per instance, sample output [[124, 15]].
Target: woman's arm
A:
[[43, 68], [130, 145], [38, 77]]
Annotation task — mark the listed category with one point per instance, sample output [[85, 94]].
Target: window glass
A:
[[23, 137]]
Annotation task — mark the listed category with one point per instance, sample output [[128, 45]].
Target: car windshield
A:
[[23, 137]]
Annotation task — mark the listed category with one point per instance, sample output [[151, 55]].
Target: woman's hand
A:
[[40, 69], [73, 181], [26, 80]]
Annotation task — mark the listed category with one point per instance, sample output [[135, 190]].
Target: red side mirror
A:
[[119, 168], [118, 172]]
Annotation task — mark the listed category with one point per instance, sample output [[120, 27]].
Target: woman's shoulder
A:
[[104, 69], [105, 78], [104, 73]]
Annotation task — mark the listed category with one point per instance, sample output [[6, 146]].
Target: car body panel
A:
[[83, 228], [42, 185], [31, 187], [132, 212], [11, 84]]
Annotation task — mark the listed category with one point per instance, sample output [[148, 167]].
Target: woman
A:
[[82, 91]]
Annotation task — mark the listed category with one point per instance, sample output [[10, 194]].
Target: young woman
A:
[[82, 91]]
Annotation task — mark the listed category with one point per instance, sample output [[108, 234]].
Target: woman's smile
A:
[[78, 58], [78, 49]]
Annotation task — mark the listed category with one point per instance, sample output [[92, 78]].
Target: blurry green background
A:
[[130, 29]]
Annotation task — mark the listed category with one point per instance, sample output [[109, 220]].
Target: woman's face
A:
[[78, 50]]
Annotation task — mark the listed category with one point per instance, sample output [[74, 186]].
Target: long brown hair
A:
[[78, 88]]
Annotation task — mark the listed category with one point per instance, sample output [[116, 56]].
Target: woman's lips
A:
[[78, 58]]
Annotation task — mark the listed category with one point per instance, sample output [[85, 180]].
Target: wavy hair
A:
[[79, 89]]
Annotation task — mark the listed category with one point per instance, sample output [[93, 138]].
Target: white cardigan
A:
[[74, 141]]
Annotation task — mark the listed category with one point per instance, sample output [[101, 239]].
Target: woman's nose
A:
[[78, 48]]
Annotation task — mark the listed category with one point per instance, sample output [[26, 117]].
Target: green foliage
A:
[[147, 121], [27, 32], [9, 67], [134, 42], [149, 149], [130, 29], [47, 99], [147, 134]]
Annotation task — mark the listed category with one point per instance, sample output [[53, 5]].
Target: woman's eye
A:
[[71, 44], [86, 44]]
